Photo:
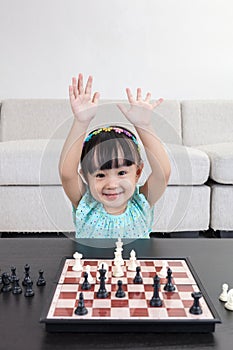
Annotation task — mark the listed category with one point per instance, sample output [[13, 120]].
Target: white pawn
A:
[[163, 272], [89, 278], [77, 265], [223, 295], [229, 303], [132, 261]]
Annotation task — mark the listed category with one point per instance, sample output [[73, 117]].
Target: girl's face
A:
[[114, 187]]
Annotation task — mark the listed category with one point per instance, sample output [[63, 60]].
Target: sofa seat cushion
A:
[[221, 161], [189, 166], [30, 162]]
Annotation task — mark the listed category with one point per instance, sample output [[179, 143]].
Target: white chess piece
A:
[[118, 251], [223, 296], [163, 272], [89, 278], [229, 303], [132, 261], [119, 243], [118, 257], [117, 270], [77, 264]]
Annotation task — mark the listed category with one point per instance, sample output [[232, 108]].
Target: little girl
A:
[[107, 201]]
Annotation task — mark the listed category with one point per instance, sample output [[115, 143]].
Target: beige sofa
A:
[[198, 136]]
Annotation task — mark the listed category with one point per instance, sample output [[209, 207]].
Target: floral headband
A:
[[114, 128]]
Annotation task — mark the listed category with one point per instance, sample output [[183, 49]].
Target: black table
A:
[[19, 316]]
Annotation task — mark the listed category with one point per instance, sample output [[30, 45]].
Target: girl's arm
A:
[[84, 110], [140, 114]]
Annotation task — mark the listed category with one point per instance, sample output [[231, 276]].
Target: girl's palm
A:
[[83, 106], [140, 111]]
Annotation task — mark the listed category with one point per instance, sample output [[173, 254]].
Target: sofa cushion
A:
[[49, 118], [34, 118], [35, 162], [207, 122], [30, 162], [221, 217], [189, 166], [221, 161], [183, 208]]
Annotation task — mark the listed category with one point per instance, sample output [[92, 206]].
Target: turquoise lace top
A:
[[92, 221]]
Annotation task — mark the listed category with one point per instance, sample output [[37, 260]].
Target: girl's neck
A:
[[116, 211]]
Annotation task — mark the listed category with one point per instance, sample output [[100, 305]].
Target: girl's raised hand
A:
[[83, 106], [140, 111]]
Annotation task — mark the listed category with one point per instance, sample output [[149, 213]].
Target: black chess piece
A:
[[41, 281], [16, 287], [102, 292], [86, 285], [81, 309], [29, 292], [195, 309], [6, 283], [13, 274], [138, 278], [120, 292], [169, 287], [156, 300], [27, 277]]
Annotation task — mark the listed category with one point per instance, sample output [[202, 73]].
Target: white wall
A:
[[176, 49]]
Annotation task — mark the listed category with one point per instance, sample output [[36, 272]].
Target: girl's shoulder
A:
[[87, 202], [140, 199]]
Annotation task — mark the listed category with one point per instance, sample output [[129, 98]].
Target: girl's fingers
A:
[[96, 97], [139, 94], [80, 84], [157, 103], [129, 95], [74, 86], [89, 85], [148, 97], [71, 93]]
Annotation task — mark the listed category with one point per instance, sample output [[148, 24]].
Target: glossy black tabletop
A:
[[19, 316]]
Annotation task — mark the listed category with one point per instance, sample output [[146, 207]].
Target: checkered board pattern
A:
[[136, 303]]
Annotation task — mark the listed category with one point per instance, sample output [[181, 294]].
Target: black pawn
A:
[[120, 293], [169, 287], [41, 281], [195, 309], [29, 292], [13, 274], [16, 287], [137, 278], [6, 283], [27, 277], [81, 309], [86, 285], [102, 292], [155, 300]]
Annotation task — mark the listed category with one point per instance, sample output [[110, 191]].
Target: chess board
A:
[[133, 312]]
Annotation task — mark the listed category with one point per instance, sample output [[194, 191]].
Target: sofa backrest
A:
[[32, 118], [52, 118], [207, 122]]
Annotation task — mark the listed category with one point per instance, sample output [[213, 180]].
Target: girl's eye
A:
[[122, 172], [100, 175]]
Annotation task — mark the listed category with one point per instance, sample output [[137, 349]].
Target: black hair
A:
[[107, 149]]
